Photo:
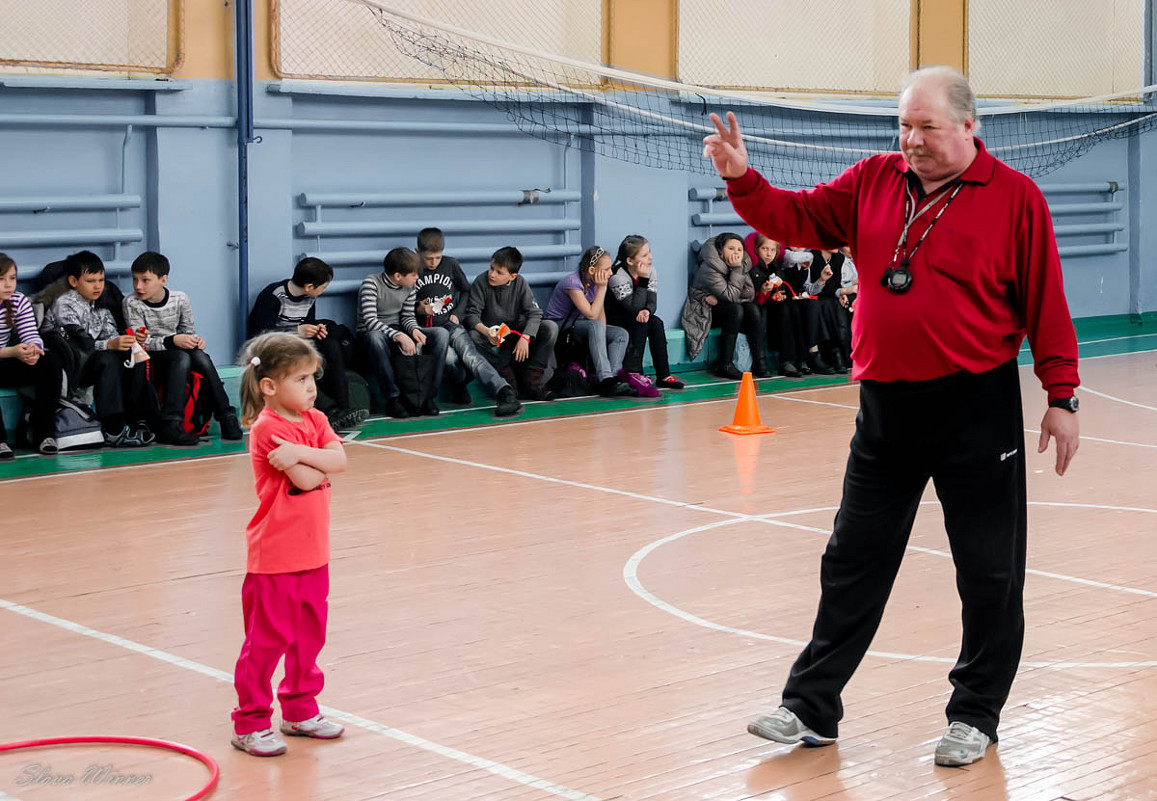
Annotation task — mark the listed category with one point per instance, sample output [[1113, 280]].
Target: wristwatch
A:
[[1069, 404]]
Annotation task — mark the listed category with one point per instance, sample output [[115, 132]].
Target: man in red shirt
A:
[[958, 262]]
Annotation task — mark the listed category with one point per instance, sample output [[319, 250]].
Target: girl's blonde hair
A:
[[271, 356]]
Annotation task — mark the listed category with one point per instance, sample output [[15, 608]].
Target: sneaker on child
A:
[[264, 743], [318, 727], [126, 438]]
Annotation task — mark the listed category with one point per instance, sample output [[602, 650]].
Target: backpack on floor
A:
[[197, 412], [75, 426], [414, 376]]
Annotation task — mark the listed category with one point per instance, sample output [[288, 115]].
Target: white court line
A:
[[553, 480], [780, 396], [947, 555], [739, 517], [488, 765], [1118, 400], [1086, 438], [630, 576], [1115, 355], [1027, 349], [142, 466]]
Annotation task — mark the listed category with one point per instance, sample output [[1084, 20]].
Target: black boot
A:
[[836, 360], [508, 404], [817, 364], [396, 409], [759, 367], [724, 368], [789, 370]]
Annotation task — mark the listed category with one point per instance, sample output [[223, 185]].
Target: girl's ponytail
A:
[[251, 400]]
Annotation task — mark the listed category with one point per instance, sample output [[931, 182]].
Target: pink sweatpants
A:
[[285, 615]]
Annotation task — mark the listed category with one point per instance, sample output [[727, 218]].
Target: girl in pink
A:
[[284, 597]]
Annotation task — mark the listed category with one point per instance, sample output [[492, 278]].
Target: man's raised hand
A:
[[725, 147]]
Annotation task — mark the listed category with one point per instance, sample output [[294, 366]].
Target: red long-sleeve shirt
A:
[[987, 274]]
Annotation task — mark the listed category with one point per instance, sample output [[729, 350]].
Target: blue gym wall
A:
[[65, 136]]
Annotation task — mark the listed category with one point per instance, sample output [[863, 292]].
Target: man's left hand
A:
[[1064, 426]]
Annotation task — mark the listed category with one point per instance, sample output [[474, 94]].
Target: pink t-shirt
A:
[[290, 530]]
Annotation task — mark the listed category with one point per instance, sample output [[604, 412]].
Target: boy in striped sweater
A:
[[162, 321], [387, 327]]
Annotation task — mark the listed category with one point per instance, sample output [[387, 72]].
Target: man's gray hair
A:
[[961, 101]]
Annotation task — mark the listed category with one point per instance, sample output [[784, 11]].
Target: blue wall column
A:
[[193, 219]]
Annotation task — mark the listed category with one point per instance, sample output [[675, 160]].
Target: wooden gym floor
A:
[[583, 608]]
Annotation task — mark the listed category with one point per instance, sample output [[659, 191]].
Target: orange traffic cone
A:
[[746, 420]]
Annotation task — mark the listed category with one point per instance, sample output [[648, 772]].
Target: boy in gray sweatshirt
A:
[[502, 296]]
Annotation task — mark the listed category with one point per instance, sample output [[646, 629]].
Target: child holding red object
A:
[[285, 594]]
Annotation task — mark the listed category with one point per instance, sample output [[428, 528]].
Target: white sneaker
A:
[[961, 745], [264, 743], [782, 726], [318, 727]]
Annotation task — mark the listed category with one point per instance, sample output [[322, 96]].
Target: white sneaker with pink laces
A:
[[264, 743], [318, 727]]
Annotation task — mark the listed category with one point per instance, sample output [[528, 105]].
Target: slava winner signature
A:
[[36, 774]]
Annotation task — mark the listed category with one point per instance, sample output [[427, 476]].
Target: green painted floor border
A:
[[1097, 337]]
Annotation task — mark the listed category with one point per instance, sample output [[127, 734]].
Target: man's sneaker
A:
[[231, 427], [318, 727], [171, 433], [508, 404], [48, 446], [670, 382], [264, 743], [782, 726], [6, 453], [961, 745]]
